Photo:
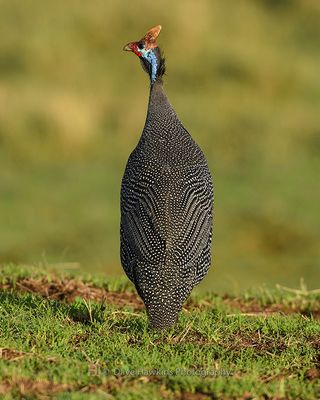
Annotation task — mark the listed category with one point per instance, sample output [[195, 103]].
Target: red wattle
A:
[[135, 49]]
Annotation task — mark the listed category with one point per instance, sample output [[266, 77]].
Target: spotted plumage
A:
[[166, 203]]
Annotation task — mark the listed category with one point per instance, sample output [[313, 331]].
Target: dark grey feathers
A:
[[166, 213]]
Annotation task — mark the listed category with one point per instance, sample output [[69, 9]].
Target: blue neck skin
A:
[[151, 57]]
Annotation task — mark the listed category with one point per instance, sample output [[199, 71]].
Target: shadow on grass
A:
[[92, 315], [80, 311]]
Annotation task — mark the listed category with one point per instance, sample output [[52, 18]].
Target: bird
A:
[[166, 202]]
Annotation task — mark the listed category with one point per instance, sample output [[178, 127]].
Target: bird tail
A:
[[162, 294]]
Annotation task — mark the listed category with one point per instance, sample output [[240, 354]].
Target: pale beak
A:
[[127, 47]]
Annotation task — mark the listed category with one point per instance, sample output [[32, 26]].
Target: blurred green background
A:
[[243, 77]]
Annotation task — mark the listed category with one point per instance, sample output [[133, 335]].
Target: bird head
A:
[[149, 53]]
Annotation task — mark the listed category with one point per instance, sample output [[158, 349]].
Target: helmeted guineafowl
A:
[[166, 202]]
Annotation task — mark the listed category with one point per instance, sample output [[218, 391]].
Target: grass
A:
[[72, 337], [243, 77]]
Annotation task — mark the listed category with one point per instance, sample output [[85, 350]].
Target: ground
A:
[[72, 337]]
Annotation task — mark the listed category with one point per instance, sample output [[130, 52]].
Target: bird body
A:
[[166, 208]]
